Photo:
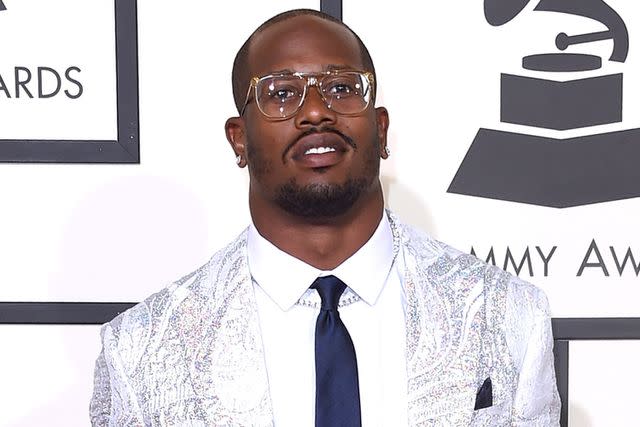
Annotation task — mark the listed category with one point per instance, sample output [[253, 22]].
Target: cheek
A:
[[259, 144], [365, 134], [264, 150], [268, 136], [257, 157], [369, 141], [363, 126]]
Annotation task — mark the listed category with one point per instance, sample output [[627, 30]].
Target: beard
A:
[[320, 200]]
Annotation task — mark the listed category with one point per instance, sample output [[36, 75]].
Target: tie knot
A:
[[330, 289]]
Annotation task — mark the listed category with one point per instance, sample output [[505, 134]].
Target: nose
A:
[[314, 111]]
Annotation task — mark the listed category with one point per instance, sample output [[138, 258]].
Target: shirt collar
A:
[[285, 278]]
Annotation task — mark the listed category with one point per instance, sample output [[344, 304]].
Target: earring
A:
[[238, 159], [387, 151]]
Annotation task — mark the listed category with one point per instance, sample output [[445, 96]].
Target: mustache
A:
[[324, 129]]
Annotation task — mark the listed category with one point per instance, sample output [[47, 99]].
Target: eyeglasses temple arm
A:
[[252, 84]]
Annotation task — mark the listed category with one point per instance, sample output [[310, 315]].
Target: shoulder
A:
[[439, 261], [442, 263], [198, 288]]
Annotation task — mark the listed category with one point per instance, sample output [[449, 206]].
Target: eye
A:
[[342, 88], [343, 85], [279, 92], [282, 94]]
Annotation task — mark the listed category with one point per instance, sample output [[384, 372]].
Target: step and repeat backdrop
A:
[[509, 144], [515, 134], [68, 84]]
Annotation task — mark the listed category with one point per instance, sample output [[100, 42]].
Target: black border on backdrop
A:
[[126, 148], [96, 313], [332, 7]]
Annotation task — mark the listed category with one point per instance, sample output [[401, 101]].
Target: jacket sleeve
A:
[[536, 401], [113, 402]]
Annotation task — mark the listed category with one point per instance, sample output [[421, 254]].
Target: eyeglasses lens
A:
[[280, 96], [345, 93]]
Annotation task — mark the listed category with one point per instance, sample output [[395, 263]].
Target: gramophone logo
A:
[[548, 171]]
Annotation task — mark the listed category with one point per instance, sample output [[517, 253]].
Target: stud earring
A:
[[238, 159], [387, 151]]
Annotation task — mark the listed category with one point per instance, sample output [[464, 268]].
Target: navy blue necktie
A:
[[337, 392]]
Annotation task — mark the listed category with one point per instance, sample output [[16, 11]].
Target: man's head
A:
[[241, 75], [323, 159]]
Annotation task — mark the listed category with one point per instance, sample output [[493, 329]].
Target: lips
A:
[[319, 150]]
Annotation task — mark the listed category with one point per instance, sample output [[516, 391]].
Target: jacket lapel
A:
[[233, 353], [443, 332]]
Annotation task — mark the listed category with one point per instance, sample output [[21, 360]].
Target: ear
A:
[[382, 123], [234, 129]]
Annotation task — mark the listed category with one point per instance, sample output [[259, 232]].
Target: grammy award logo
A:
[[551, 171]]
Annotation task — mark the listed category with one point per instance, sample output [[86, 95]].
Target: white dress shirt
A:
[[372, 309]]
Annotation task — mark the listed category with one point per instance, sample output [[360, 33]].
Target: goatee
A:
[[320, 200]]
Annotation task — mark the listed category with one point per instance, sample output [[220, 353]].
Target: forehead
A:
[[305, 44]]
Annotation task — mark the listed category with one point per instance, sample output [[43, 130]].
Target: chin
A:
[[320, 199]]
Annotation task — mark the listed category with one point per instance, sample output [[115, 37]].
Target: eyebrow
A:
[[282, 71], [328, 67], [332, 67]]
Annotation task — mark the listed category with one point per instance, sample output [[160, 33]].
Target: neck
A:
[[322, 243]]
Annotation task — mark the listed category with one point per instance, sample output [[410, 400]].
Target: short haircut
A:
[[240, 74]]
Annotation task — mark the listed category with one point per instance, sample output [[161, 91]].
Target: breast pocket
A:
[[497, 415]]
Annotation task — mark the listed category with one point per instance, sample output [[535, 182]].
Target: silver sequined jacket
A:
[[191, 355]]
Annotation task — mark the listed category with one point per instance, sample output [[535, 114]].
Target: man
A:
[[327, 310]]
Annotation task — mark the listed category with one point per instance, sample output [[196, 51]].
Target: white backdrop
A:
[[44, 34], [451, 60], [121, 232], [438, 66]]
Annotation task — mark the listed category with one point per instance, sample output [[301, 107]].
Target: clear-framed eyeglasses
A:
[[280, 96]]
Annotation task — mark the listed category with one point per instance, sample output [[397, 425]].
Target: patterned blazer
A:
[[478, 340]]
